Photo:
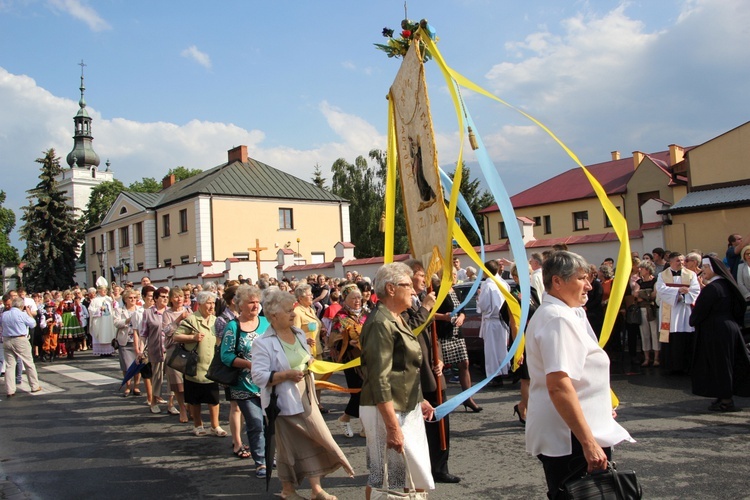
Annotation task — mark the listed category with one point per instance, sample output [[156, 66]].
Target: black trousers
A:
[[353, 381], [558, 468], [438, 457]]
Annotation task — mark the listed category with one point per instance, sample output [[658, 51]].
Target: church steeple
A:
[[83, 154]]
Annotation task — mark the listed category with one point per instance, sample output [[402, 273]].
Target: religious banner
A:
[[424, 209]]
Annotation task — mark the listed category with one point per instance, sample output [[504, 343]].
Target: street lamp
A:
[[298, 254], [100, 257]]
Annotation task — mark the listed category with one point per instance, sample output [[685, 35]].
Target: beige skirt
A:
[[304, 445]]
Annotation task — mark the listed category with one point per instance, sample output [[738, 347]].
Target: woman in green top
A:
[[244, 396]]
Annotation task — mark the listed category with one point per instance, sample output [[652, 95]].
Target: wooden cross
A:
[[257, 251]]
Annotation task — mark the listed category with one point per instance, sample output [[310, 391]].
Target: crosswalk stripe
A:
[[81, 375], [46, 388]]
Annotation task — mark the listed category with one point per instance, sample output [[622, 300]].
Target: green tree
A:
[[101, 199], [182, 173], [401, 237], [318, 178], [477, 199], [145, 185], [51, 230], [8, 253]]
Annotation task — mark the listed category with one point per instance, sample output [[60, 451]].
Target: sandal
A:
[[199, 431], [218, 432], [126, 393], [136, 392], [173, 411], [346, 427], [261, 472], [241, 453]]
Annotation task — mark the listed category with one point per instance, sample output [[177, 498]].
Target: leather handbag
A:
[[633, 314], [610, 484], [221, 373], [184, 360], [384, 493]]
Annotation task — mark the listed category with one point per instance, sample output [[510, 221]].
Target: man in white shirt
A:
[[460, 273], [536, 273], [677, 289], [493, 330]]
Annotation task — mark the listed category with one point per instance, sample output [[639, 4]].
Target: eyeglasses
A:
[[405, 285]]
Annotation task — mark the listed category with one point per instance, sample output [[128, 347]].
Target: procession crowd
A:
[[682, 313]]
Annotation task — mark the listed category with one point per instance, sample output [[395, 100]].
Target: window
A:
[[580, 220], [317, 257], [607, 222], [165, 225], [184, 259], [138, 230], [139, 266], [101, 236], [502, 230], [643, 198], [93, 245], [167, 262], [285, 218], [537, 221], [124, 237], [183, 221], [547, 224], [111, 240], [123, 211], [93, 276]]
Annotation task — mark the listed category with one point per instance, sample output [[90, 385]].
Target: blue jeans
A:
[[253, 414]]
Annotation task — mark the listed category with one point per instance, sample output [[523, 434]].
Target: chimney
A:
[[637, 159], [676, 154], [167, 181], [238, 154], [615, 155]]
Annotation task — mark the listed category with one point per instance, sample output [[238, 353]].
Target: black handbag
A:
[[221, 373], [183, 360], [610, 484], [633, 314]]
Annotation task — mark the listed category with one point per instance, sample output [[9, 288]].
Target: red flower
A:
[[406, 33]]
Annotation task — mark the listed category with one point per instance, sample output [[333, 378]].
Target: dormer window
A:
[[123, 211]]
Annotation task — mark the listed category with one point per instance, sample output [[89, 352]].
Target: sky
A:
[[300, 83]]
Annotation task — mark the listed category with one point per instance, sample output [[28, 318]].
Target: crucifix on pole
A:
[[257, 251]]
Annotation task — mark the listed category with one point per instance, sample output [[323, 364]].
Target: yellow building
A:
[[717, 203], [565, 208], [209, 224]]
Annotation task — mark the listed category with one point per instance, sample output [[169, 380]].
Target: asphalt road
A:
[[85, 441]]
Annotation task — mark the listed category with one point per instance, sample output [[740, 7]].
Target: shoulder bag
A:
[[610, 484], [384, 493], [633, 314], [184, 360], [221, 373]]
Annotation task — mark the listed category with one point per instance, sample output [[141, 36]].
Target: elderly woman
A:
[[197, 332], [645, 297], [392, 407], [173, 316], [304, 445], [244, 396], [743, 274], [306, 319], [721, 367], [151, 331], [570, 422], [126, 337], [344, 342]]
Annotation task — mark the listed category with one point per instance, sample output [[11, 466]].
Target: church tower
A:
[[83, 174]]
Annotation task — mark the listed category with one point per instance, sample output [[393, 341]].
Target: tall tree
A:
[[8, 253], [318, 178], [145, 185], [182, 173], [100, 201], [401, 238], [51, 230], [477, 199]]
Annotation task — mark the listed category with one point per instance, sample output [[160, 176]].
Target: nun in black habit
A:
[[721, 366]]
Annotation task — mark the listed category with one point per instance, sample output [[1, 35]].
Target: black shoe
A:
[[444, 477]]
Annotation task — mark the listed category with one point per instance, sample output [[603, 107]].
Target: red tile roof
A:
[[574, 185]]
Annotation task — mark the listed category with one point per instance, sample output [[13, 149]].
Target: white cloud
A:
[[196, 55], [82, 12]]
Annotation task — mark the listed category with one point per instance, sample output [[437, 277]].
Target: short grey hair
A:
[[696, 257], [244, 293], [17, 303], [203, 296], [391, 273], [563, 264], [274, 300], [606, 271], [648, 265], [301, 290], [210, 286]]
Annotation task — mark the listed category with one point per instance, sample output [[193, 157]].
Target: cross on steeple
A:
[[82, 65]]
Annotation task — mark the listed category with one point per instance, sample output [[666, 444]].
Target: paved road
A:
[[79, 439]]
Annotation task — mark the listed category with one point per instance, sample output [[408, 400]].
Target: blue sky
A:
[[300, 83]]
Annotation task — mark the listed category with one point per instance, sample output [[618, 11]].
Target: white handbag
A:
[[383, 493]]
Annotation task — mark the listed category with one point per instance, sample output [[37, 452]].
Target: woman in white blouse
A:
[[570, 422]]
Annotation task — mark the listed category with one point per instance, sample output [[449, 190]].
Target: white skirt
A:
[[415, 449]]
